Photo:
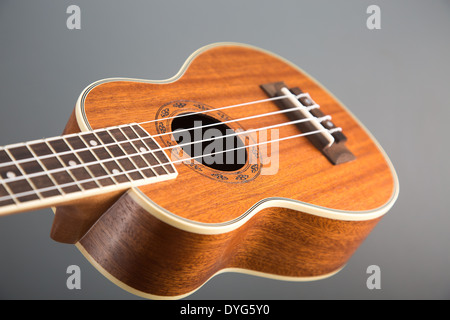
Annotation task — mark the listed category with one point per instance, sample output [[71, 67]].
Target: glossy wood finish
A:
[[229, 75], [139, 250], [73, 219], [152, 259]]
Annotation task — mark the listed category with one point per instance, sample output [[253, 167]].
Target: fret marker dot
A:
[[142, 149], [93, 143], [72, 163], [115, 171], [10, 174]]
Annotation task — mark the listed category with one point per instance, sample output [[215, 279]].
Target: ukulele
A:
[[239, 163]]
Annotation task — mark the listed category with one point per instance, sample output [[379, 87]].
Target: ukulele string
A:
[[233, 106], [166, 163], [117, 143], [247, 131], [127, 156], [160, 149], [240, 119]]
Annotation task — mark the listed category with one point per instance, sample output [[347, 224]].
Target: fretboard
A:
[[50, 171]]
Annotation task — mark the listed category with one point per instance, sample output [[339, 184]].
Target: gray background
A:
[[395, 80]]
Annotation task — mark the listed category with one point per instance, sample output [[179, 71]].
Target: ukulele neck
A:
[[48, 172]]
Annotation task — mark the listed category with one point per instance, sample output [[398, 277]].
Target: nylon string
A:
[[162, 164], [25, 176]]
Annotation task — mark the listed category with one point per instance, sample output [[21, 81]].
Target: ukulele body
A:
[[293, 217]]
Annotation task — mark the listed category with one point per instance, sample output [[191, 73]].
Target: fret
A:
[[52, 163], [40, 149], [151, 156], [142, 161], [124, 162], [87, 156], [137, 158], [114, 169], [98, 171], [101, 154], [116, 150], [4, 193], [124, 143], [90, 139], [130, 168], [156, 165], [31, 167], [58, 145], [117, 134], [75, 142], [95, 146], [153, 163], [126, 149], [4, 158], [6, 172], [106, 150], [61, 177], [143, 165], [43, 181], [105, 137], [129, 133], [10, 170], [40, 180], [80, 173], [20, 185], [149, 141], [20, 153], [68, 160], [159, 155], [68, 164]]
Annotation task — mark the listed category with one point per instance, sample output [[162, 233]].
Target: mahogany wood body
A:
[[198, 224], [152, 259]]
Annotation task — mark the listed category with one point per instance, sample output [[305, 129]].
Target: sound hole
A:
[[204, 138]]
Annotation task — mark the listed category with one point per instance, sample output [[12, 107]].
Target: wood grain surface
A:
[[152, 259], [142, 253], [229, 75]]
